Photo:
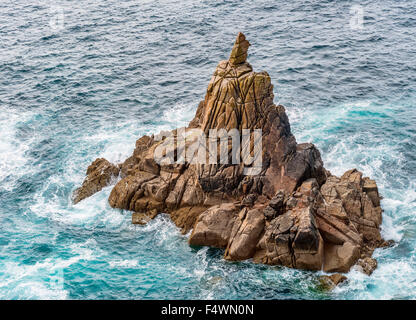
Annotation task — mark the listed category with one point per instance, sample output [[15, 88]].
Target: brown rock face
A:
[[99, 175], [275, 203], [214, 226], [367, 265]]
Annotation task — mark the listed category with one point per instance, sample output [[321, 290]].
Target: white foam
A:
[[13, 159], [163, 232], [390, 229], [91, 213], [201, 267], [394, 279]]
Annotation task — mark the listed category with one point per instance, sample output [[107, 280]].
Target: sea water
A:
[[85, 79]]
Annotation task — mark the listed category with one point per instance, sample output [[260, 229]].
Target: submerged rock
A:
[[99, 175], [330, 282], [284, 210]]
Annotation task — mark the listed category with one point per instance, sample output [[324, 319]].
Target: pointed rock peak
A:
[[239, 51]]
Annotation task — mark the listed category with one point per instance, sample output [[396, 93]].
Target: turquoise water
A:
[[90, 86]]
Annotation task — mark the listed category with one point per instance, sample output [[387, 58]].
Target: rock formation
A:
[[291, 212], [327, 283]]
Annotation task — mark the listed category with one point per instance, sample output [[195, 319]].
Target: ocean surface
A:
[[85, 79]]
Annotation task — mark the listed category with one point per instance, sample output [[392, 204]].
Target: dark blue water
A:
[[85, 80]]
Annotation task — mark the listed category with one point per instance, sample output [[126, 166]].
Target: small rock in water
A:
[[330, 282], [367, 265]]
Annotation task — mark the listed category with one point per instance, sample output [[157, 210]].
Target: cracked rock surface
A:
[[292, 212]]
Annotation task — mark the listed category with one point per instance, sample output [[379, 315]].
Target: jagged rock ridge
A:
[[292, 213]]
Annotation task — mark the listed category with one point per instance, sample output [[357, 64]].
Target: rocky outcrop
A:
[[275, 203], [99, 174]]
